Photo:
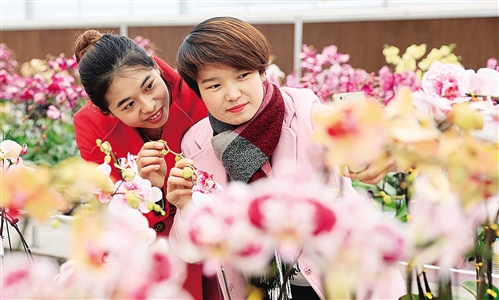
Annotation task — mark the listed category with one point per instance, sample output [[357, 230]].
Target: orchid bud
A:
[[128, 174], [187, 172], [178, 157], [133, 199], [387, 199], [105, 147], [465, 118], [150, 206], [107, 159], [55, 223]]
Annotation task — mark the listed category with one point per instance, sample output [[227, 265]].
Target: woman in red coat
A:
[[136, 99]]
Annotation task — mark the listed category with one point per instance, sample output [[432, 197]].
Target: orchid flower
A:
[[347, 128], [11, 151]]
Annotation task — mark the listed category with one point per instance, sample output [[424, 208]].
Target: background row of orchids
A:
[[443, 137]]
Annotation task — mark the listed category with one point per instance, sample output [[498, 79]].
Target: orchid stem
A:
[[225, 283]]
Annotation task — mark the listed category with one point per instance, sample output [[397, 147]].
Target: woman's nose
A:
[[147, 105], [232, 93]]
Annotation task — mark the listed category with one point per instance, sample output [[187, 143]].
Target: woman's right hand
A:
[[178, 188], [151, 163]]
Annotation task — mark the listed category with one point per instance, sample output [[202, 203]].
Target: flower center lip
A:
[[156, 116]]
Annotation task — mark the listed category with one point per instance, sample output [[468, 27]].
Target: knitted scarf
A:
[[245, 150]]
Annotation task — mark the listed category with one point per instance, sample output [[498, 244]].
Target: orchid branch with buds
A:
[[133, 196]]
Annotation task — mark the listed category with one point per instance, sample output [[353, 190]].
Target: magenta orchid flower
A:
[[205, 182]]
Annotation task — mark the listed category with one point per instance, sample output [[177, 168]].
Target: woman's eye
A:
[[129, 105], [212, 87], [150, 85], [244, 75]]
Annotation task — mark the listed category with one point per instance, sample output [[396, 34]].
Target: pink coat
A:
[[294, 145]]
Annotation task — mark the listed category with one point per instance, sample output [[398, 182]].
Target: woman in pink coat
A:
[[254, 130]]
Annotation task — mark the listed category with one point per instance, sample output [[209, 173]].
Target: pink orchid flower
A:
[[53, 113], [134, 190], [347, 128], [25, 279], [219, 231], [440, 231], [484, 81], [492, 64], [118, 257], [104, 193], [157, 273], [359, 226], [278, 204], [139, 187], [445, 80]]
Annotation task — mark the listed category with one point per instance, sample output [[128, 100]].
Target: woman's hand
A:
[[178, 188], [151, 163], [376, 171]]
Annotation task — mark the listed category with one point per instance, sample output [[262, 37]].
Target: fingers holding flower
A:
[[375, 171], [179, 185], [151, 164]]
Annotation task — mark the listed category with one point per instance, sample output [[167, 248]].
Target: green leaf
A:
[[470, 286], [390, 189]]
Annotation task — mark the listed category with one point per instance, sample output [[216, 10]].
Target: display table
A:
[[43, 238]]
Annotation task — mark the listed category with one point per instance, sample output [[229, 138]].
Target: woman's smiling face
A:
[[231, 96], [140, 99]]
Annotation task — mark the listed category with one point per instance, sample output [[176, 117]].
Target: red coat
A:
[[186, 109]]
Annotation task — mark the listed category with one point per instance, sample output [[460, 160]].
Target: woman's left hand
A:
[[376, 171]]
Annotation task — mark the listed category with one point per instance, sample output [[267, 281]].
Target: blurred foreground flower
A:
[[246, 223], [112, 257], [348, 128]]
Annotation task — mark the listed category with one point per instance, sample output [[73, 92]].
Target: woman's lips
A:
[[156, 117], [237, 108]]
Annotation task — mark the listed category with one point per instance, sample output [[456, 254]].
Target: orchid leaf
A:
[[470, 286]]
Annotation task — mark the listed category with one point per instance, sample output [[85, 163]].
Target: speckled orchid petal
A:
[[205, 182]]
